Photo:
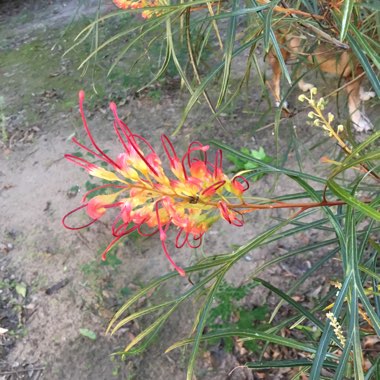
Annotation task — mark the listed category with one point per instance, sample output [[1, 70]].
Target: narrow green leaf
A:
[[230, 41], [371, 139], [151, 329], [342, 366], [311, 5], [201, 324], [351, 200], [374, 371], [356, 342], [250, 335], [348, 5], [269, 167], [141, 313], [364, 240], [200, 89], [181, 72], [362, 40], [154, 284], [369, 272], [161, 70], [375, 319], [327, 334], [351, 162], [309, 248], [372, 77], [130, 45], [143, 345], [290, 301], [305, 276], [286, 364], [268, 25], [238, 13], [277, 49]]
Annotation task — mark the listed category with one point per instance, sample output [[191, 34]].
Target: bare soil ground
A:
[[52, 282]]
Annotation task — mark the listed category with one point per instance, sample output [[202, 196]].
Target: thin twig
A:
[[15, 372]]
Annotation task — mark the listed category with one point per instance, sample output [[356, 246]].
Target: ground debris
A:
[[56, 287], [22, 372]]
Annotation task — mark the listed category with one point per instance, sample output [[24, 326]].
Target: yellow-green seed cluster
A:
[[337, 328], [319, 120]]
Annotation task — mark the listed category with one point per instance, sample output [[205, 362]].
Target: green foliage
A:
[[111, 260], [88, 334], [201, 40], [242, 164], [21, 289], [352, 228], [227, 313], [184, 41]]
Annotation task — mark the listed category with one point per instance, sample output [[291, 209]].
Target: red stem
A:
[[304, 206]]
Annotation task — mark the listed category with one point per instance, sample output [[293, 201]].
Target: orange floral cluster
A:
[[144, 197], [137, 4]]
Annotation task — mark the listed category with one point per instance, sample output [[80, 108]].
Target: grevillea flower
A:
[[137, 4], [146, 200]]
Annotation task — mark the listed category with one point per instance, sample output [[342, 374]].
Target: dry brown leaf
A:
[[370, 341]]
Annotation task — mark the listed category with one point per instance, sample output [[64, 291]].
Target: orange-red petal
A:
[[122, 4]]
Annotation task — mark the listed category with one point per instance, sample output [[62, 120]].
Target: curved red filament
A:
[[72, 212], [104, 155], [244, 180]]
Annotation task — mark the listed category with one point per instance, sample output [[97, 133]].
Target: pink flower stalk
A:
[[141, 194]]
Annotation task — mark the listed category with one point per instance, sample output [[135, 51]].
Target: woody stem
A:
[[247, 207]]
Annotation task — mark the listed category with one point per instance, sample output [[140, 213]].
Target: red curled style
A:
[[145, 234], [131, 139], [190, 150], [84, 147], [201, 147], [236, 221], [139, 152], [244, 180], [73, 212], [213, 188], [218, 163], [172, 156], [110, 246], [103, 155], [80, 162], [179, 244], [120, 137], [198, 239], [117, 228], [122, 230], [230, 215]]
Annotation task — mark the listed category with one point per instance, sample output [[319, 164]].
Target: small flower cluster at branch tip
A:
[[319, 119], [146, 200], [336, 284], [138, 4], [337, 328]]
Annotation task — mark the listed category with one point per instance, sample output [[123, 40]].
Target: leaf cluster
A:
[[356, 307], [201, 41]]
